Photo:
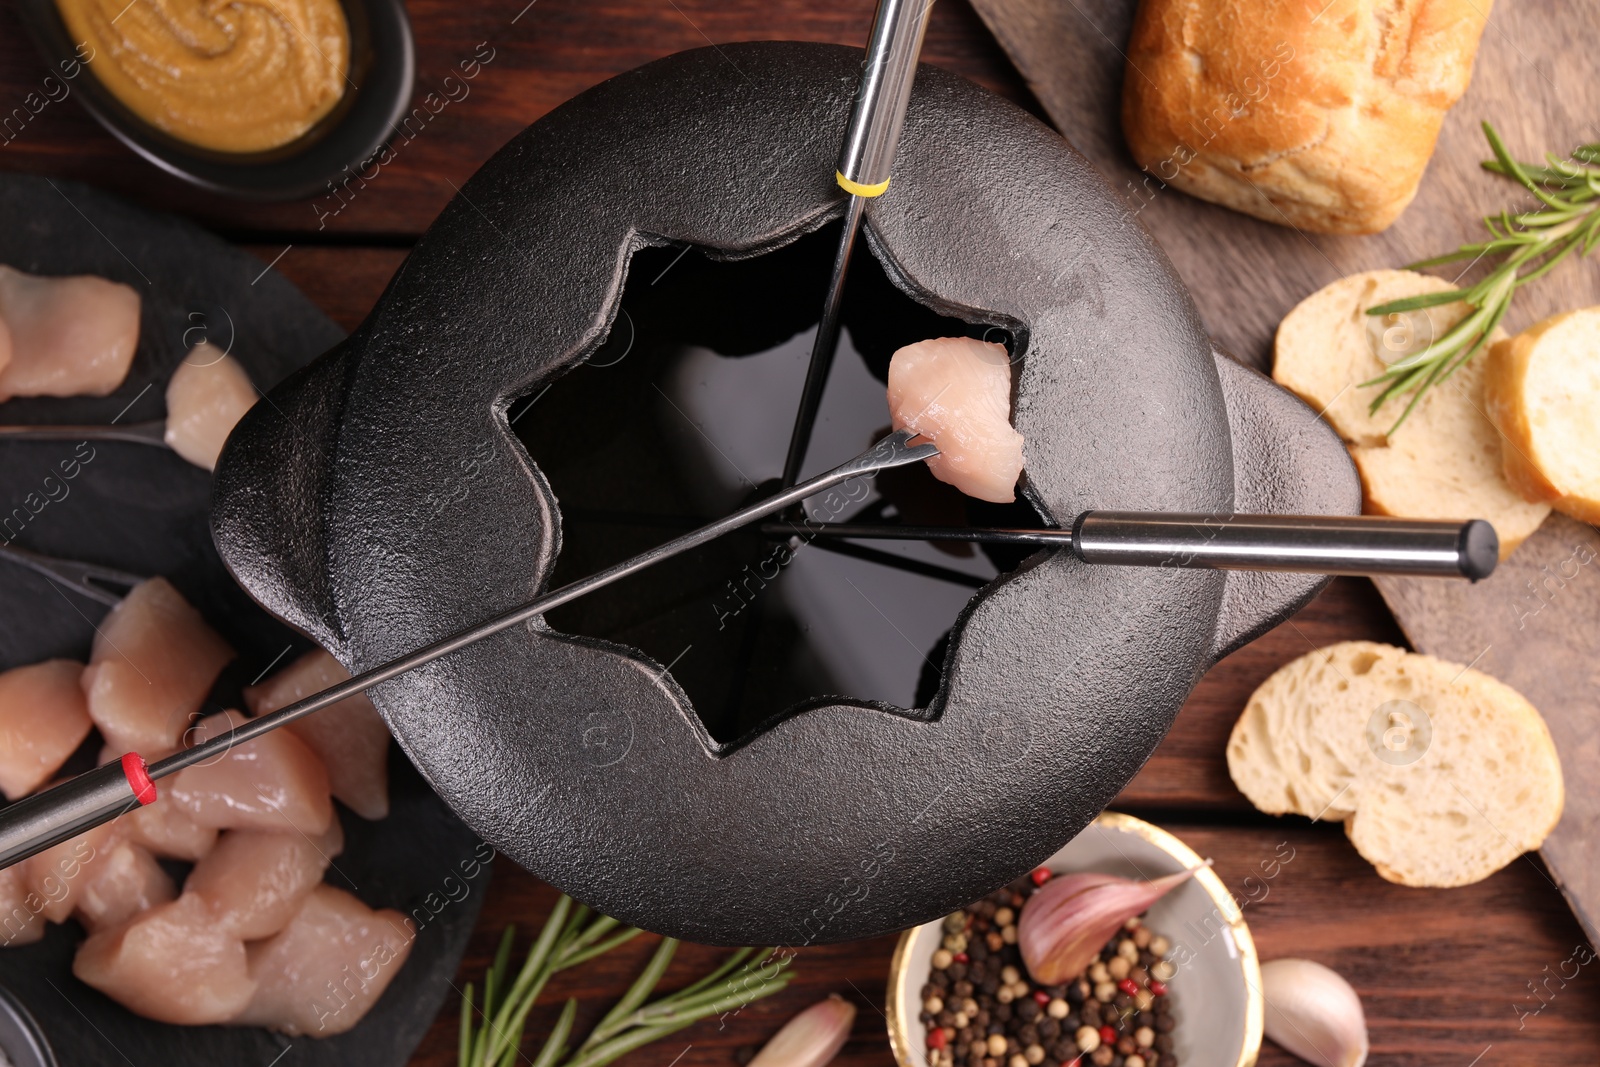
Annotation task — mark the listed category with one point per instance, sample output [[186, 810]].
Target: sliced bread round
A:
[[1328, 345], [1445, 460], [1441, 774], [1542, 390]]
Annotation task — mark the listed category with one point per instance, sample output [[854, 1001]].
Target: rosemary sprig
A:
[[1529, 243], [491, 1033]]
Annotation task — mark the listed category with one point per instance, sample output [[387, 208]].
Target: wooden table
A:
[[1451, 977]]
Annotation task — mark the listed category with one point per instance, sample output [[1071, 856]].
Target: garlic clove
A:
[[1066, 923], [811, 1038], [1313, 1013]]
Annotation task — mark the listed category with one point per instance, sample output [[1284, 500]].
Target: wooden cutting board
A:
[[1533, 79], [1536, 623]]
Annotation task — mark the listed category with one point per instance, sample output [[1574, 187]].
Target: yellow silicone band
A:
[[857, 189]]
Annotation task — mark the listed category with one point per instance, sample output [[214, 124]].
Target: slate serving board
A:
[[1532, 80], [145, 511]]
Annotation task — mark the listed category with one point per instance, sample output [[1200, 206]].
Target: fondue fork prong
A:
[[87, 579], [870, 140], [138, 433], [31, 825]]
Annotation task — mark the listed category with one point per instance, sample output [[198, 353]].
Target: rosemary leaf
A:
[[601, 949], [574, 924], [600, 926], [733, 960], [619, 1046], [464, 1042], [1422, 300], [1529, 245], [615, 1019], [556, 1043], [491, 1034], [659, 1027], [714, 1002], [526, 988], [497, 969]]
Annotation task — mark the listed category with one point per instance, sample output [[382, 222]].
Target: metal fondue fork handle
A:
[[1307, 544], [1317, 544], [34, 824]]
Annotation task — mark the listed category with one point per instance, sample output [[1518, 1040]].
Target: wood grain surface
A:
[[543, 53], [1532, 79], [1442, 973], [1448, 978], [1535, 625]]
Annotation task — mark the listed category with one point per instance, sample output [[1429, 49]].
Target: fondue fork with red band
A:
[[1314, 544], [1275, 543]]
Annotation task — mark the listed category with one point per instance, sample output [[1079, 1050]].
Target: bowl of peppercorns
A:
[[1177, 986]]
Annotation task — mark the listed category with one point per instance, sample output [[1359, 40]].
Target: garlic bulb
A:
[[811, 1038], [1313, 1013], [1066, 923]]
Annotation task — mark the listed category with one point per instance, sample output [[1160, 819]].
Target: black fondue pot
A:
[[344, 504]]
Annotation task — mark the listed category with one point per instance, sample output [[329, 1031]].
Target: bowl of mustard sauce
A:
[[262, 99]]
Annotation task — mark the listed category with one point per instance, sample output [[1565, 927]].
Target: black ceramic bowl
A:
[[382, 70]]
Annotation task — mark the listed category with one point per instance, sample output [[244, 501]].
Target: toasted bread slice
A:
[[1328, 345], [1448, 465], [1542, 391], [1445, 461], [1441, 774]]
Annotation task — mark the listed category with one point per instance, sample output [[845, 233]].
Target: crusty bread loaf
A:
[[1441, 774], [1445, 460], [1319, 116], [1542, 391]]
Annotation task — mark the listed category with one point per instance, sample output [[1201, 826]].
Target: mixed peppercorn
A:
[[981, 1008]]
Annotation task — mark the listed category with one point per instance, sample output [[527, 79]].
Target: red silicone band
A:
[[143, 788]]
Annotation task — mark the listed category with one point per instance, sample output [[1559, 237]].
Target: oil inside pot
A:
[[683, 415]]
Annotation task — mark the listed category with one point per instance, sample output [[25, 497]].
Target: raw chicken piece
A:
[[20, 921], [70, 336], [171, 964], [328, 966], [153, 663], [58, 875], [350, 736], [123, 881], [273, 783], [167, 830], [956, 391], [43, 720], [208, 394], [254, 882]]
